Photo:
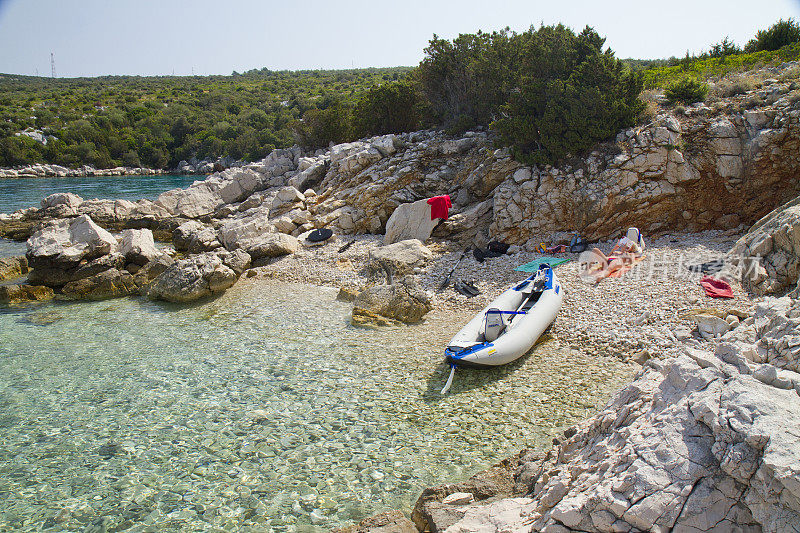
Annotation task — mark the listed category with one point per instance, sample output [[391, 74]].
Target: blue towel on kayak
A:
[[533, 266]]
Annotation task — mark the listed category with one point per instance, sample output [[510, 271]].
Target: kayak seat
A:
[[531, 301], [493, 324]]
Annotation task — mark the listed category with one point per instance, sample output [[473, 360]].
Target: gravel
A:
[[635, 316]]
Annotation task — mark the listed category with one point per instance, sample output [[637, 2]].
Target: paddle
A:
[[446, 281], [346, 246], [449, 380]]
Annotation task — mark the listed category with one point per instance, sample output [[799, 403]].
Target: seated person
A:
[[627, 249], [631, 242]]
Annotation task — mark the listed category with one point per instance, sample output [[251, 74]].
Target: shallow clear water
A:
[[19, 193], [10, 248], [261, 409]]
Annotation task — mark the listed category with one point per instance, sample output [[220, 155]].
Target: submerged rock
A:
[[14, 294], [13, 267], [198, 277], [437, 509], [369, 319], [387, 522], [403, 301], [44, 318], [348, 293]]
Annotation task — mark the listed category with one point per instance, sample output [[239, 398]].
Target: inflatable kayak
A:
[[509, 326]]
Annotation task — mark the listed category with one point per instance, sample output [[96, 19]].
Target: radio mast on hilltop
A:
[[52, 65]]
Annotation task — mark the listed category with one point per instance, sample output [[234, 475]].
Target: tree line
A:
[[547, 93]]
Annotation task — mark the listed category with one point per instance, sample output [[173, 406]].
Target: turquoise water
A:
[[11, 248], [20, 193], [261, 410]]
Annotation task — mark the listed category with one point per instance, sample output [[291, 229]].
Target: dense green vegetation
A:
[[547, 92], [568, 95], [780, 34], [687, 91], [712, 67], [777, 44], [158, 121], [502, 79]]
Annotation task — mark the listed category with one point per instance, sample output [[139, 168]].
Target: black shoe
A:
[[471, 288], [467, 289]]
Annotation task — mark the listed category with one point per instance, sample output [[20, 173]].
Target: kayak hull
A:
[[525, 324]]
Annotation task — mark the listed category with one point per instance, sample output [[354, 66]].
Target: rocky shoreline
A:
[[193, 166], [57, 171], [704, 439]]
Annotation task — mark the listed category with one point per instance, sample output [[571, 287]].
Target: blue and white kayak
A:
[[508, 327]]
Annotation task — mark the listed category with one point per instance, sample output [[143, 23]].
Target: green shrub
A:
[[687, 91], [320, 127], [460, 124], [389, 108], [470, 76], [571, 95], [724, 48], [780, 34], [729, 88]]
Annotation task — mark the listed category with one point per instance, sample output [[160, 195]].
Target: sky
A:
[[182, 37]]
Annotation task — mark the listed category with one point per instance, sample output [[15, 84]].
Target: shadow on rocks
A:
[[467, 379]]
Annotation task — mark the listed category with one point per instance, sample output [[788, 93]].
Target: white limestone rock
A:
[[386, 144], [197, 277], [195, 237], [272, 245], [702, 442], [410, 221], [769, 254], [238, 232], [198, 200], [287, 198], [68, 241], [138, 246], [402, 257], [73, 201]]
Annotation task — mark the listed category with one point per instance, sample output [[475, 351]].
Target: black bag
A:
[[577, 245], [498, 247]]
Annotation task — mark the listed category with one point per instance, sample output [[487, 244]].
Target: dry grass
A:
[[727, 88], [650, 98], [792, 74]]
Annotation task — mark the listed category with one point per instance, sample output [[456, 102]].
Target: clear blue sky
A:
[[96, 37]]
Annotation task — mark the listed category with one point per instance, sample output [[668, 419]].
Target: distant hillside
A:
[[547, 93], [157, 121]]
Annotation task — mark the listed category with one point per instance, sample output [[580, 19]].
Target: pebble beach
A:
[[632, 317]]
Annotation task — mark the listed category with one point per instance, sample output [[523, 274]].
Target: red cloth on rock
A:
[[440, 206], [716, 288]]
